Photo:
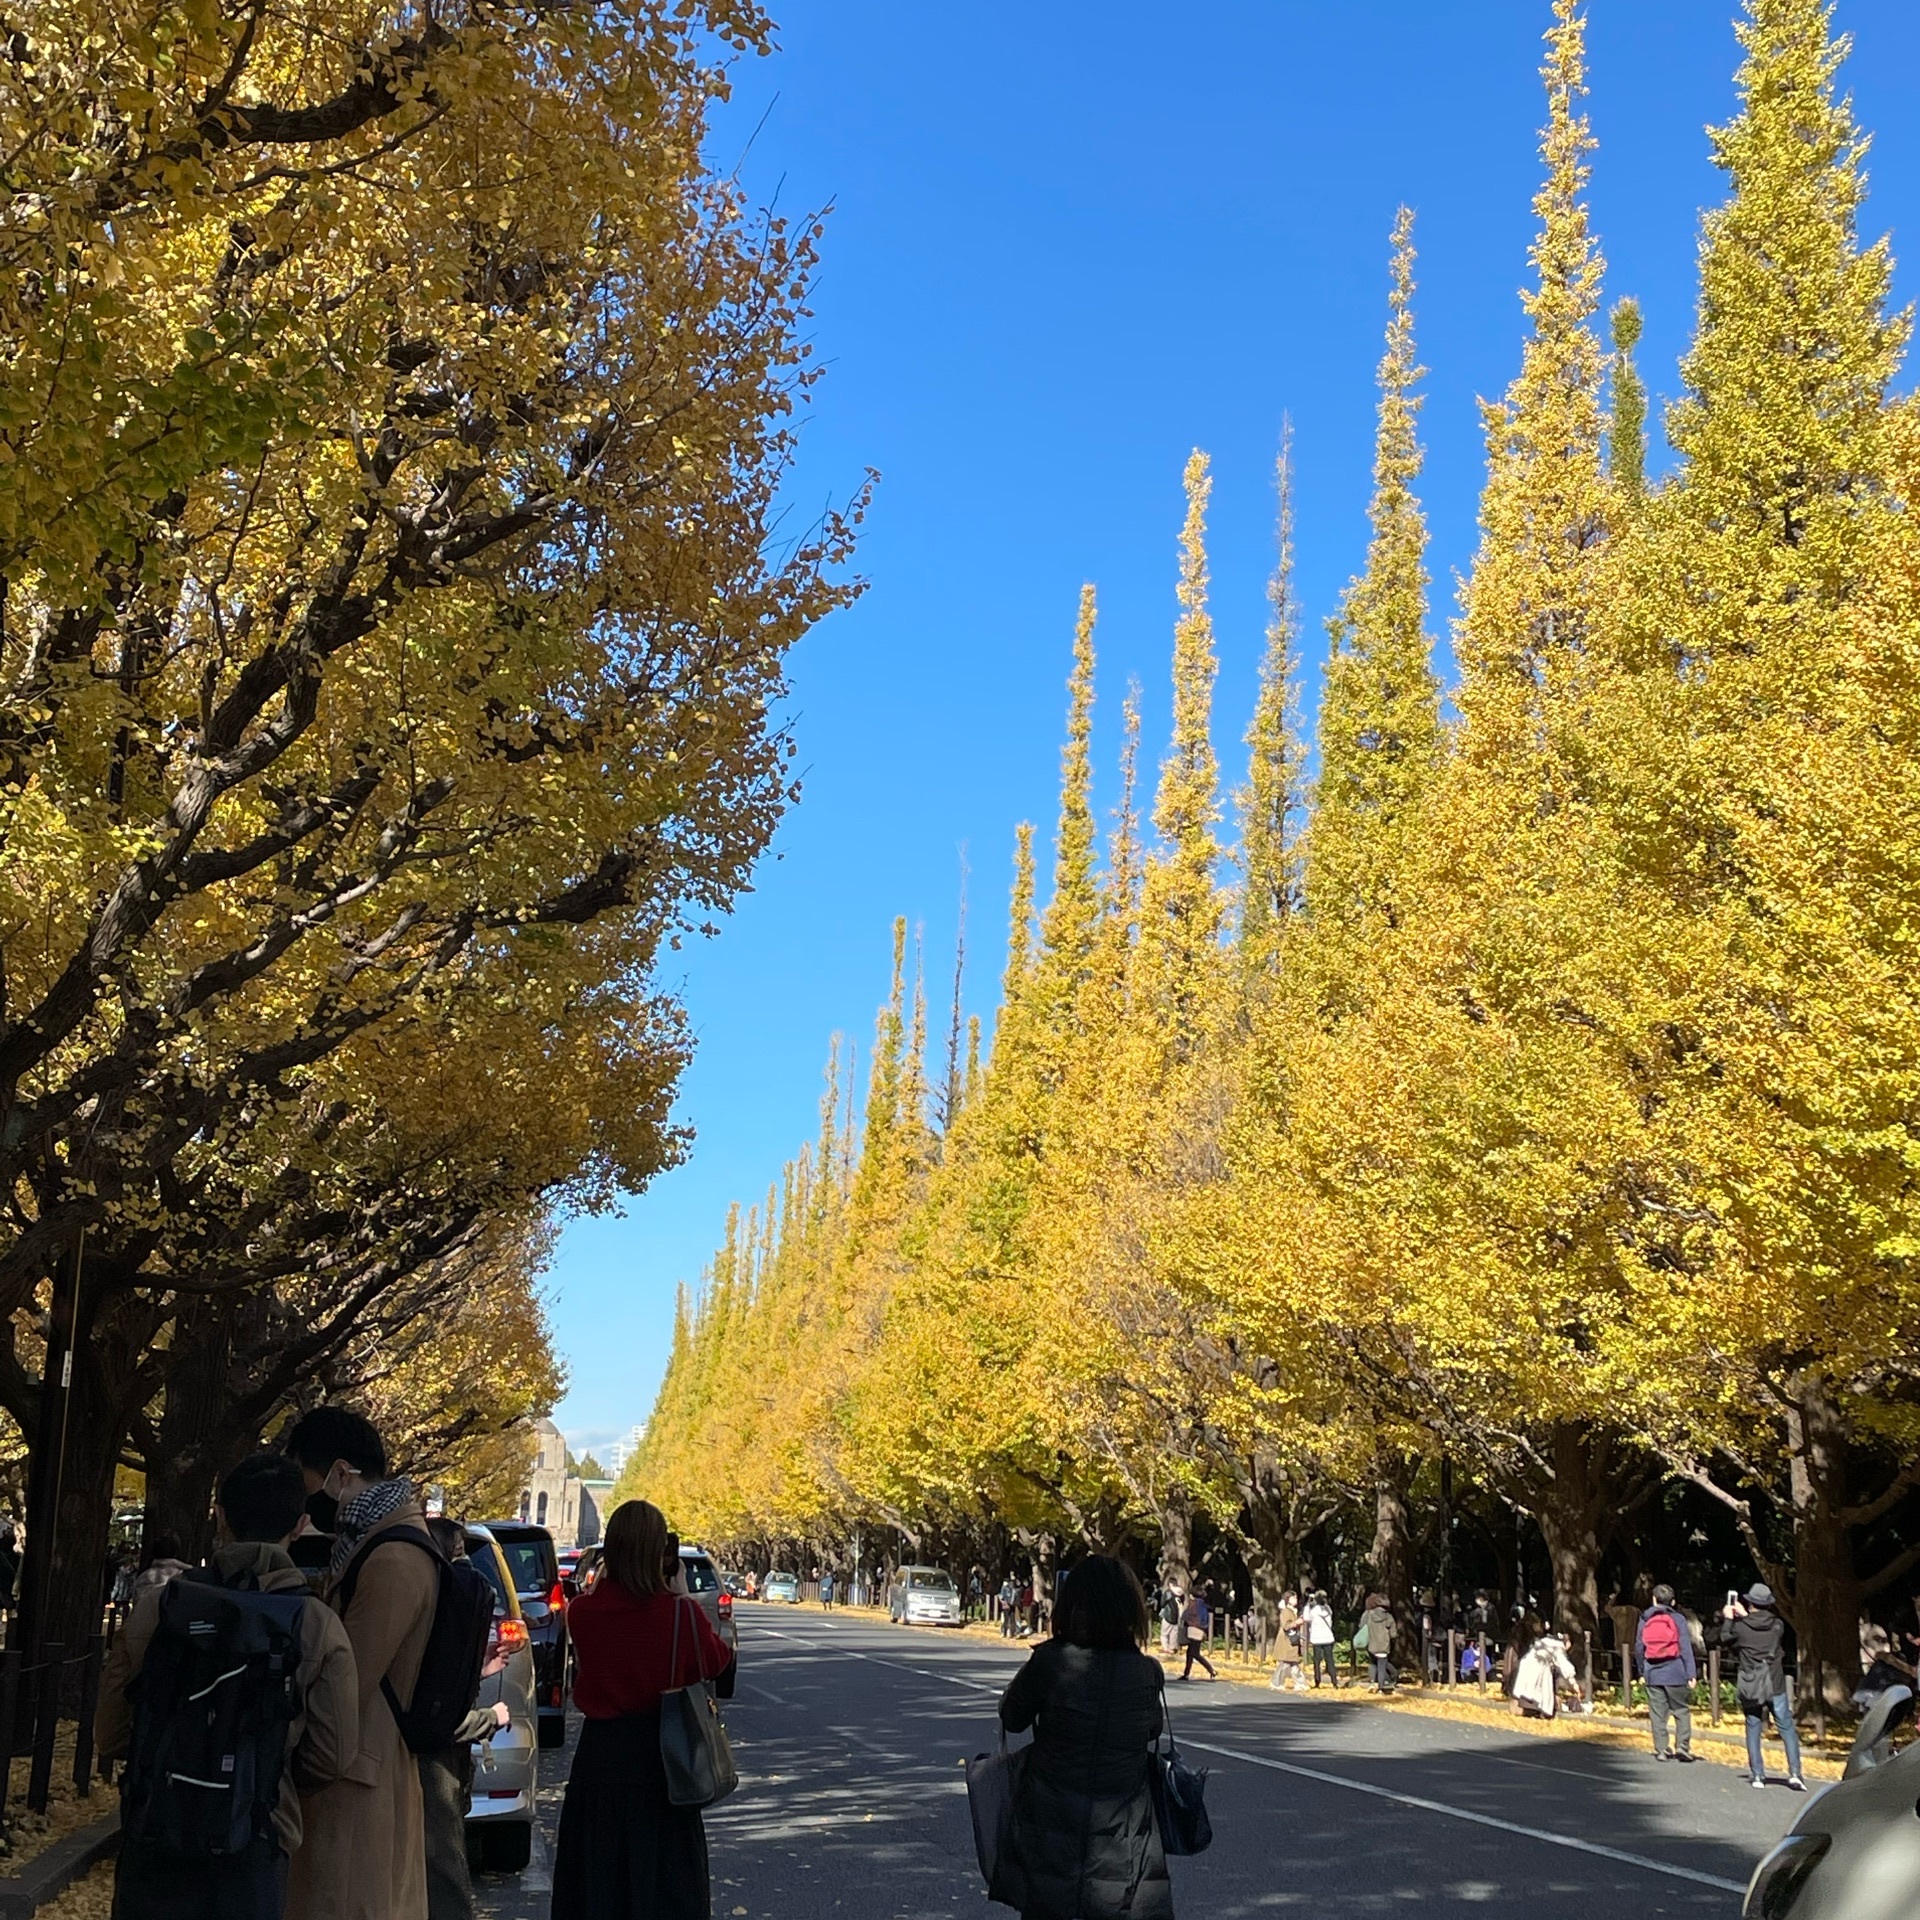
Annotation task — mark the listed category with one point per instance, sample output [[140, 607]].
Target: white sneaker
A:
[[1796, 1783], [1761, 1784]]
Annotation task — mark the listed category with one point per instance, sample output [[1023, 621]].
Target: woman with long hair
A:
[[625, 1851], [1085, 1845]]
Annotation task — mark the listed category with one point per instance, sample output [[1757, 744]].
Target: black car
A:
[[535, 1563]]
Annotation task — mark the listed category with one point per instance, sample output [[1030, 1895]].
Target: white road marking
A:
[[1619, 1854]]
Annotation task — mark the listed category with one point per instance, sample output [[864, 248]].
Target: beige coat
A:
[[325, 1733], [365, 1855]]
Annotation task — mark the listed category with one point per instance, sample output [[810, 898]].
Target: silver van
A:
[[924, 1597], [505, 1767]]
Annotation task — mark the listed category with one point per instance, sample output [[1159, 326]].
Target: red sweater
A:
[[624, 1646]]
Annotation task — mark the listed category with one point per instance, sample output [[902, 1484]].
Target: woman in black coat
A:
[[1084, 1844]]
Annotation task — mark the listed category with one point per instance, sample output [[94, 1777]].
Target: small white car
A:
[[1854, 1854], [924, 1597], [782, 1587]]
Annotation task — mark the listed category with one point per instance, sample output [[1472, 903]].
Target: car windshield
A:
[[483, 1556], [532, 1563], [930, 1582], [701, 1577]]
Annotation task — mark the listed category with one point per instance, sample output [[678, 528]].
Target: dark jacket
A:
[[1378, 1622], [1084, 1843], [1682, 1670], [1760, 1638]]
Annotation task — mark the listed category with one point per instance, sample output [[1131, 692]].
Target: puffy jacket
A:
[[1378, 1622], [1084, 1844], [1682, 1670]]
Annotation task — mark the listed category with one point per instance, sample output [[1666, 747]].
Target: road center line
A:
[[1570, 1841]]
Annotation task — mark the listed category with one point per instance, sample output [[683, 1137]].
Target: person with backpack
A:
[[1663, 1651], [1754, 1629], [364, 1855], [446, 1775], [1374, 1638], [243, 1633]]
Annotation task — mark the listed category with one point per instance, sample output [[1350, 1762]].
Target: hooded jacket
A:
[[1682, 1670]]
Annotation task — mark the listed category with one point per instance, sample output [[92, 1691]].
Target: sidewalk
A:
[[1724, 1745]]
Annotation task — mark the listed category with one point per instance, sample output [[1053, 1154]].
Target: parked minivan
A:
[[505, 1767], [534, 1562]]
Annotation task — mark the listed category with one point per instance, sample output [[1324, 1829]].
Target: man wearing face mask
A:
[[364, 1852]]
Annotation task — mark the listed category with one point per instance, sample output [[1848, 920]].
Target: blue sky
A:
[[1067, 245]]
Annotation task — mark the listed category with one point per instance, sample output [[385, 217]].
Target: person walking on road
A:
[[1195, 1623], [1008, 1594], [1663, 1651], [624, 1851], [1377, 1622], [259, 1505], [1754, 1628], [1286, 1666], [826, 1591], [1320, 1641], [1084, 1843]]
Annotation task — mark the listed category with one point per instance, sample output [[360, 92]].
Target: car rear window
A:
[[937, 1582], [531, 1560], [483, 1556], [701, 1577]]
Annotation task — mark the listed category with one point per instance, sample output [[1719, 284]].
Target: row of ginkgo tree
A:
[[1535, 1087]]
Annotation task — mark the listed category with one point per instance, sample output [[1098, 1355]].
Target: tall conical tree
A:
[[1379, 727], [1270, 802], [1627, 428], [1067, 929], [1180, 911], [1543, 514], [1765, 767]]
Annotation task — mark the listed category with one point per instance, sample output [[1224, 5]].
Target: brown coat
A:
[[365, 1856], [325, 1733]]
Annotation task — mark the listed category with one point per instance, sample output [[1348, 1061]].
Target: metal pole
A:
[[46, 1723], [10, 1664], [89, 1702]]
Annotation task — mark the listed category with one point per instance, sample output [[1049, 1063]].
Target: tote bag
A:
[[1179, 1796], [992, 1781], [693, 1738]]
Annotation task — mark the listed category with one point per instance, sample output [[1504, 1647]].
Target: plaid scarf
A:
[[361, 1514]]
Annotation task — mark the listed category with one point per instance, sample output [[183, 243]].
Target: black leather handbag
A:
[[693, 1738], [1179, 1795]]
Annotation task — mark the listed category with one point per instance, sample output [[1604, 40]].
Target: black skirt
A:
[[626, 1853]]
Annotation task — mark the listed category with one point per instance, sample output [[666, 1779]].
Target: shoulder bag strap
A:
[[1166, 1714]]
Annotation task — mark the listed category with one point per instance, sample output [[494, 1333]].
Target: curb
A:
[[48, 1875]]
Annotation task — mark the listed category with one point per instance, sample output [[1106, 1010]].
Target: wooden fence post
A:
[[1713, 1683], [1481, 1674], [1453, 1656]]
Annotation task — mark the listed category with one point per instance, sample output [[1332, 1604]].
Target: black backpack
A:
[[212, 1705], [456, 1648]]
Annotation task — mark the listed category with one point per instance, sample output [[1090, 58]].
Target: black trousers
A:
[[1196, 1651], [244, 1886]]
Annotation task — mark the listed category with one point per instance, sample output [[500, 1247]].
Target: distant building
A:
[[623, 1450], [551, 1497], [596, 1502]]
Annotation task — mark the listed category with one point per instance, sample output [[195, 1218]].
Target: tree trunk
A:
[[1270, 1563], [196, 1445], [1825, 1604], [1176, 1542], [1390, 1559], [1572, 1508]]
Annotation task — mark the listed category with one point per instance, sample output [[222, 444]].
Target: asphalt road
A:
[[850, 1738]]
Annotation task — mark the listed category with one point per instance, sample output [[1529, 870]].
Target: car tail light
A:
[[726, 1604], [513, 1635], [557, 1599]]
